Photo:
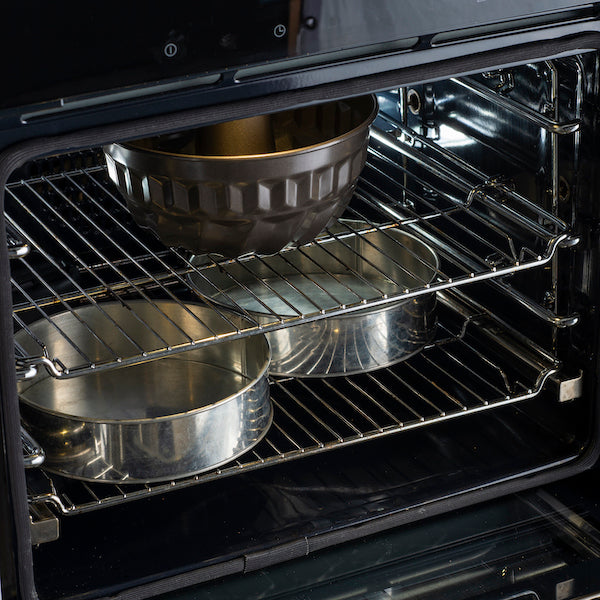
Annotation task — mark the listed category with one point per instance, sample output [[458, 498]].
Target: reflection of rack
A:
[[86, 249], [474, 365]]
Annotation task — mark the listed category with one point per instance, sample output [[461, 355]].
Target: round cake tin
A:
[[324, 276], [154, 421]]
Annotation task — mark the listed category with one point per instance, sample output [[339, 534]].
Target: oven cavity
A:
[[466, 215]]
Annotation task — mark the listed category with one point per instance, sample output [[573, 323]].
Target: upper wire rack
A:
[[86, 249]]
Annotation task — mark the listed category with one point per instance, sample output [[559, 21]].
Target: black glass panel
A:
[[50, 51], [54, 51]]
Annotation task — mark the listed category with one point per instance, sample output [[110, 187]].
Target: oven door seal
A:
[[12, 476]]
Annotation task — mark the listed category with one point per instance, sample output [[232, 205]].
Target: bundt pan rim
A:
[[134, 144]]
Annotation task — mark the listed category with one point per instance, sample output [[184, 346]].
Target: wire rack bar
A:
[[516, 108], [85, 249], [473, 365], [464, 178], [33, 455]]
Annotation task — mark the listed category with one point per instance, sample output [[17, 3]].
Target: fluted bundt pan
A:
[[252, 185]]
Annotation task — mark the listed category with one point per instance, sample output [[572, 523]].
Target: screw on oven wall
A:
[[310, 23], [413, 100]]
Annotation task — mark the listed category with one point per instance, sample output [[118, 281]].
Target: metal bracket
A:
[[45, 527], [569, 388], [481, 191], [506, 80], [404, 137]]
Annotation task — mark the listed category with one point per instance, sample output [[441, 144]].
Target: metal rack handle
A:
[[516, 108], [33, 453]]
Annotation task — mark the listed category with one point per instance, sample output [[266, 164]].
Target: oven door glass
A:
[[544, 543]]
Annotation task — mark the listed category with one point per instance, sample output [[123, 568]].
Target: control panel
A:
[[56, 53]]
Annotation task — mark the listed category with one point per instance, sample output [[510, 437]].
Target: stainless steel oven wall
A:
[[524, 127]]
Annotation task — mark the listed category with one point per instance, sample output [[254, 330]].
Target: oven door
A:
[[539, 544]]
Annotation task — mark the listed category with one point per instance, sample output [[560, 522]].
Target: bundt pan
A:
[[252, 185]]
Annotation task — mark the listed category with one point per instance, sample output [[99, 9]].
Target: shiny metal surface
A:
[[33, 454], [345, 269], [252, 185], [157, 420], [45, 526], [501, 233], [539, 118]]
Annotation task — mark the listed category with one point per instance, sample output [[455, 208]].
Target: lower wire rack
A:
[[474, 364]]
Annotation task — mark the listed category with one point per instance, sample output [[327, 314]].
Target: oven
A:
[[402, 402]]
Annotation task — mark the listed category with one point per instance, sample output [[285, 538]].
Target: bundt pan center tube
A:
[[252, 185]]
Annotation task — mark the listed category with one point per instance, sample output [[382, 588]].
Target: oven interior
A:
[[497, 172]]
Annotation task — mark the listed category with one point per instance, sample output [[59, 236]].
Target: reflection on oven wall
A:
[[521, 125]]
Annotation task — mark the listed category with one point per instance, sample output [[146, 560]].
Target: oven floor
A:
[[107, 551]]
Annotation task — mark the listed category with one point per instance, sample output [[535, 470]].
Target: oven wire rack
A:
[[474, 364], [85, 248]]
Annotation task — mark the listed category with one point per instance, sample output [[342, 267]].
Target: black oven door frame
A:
[[83, 127]]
